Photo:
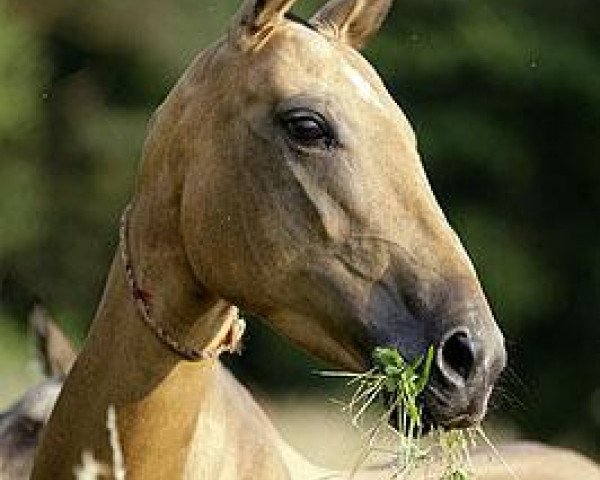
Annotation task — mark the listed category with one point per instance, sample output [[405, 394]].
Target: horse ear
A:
[[256, 18], [351, 21], [55, 352]]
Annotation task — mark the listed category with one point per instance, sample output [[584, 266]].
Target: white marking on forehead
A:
[[364, 88], [315, 46]]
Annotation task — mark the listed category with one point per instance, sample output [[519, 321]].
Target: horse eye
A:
[[307, 128]]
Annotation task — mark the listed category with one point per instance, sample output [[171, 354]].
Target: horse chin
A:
[[429, 423], [450, 414]]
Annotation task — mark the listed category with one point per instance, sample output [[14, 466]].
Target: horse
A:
[[22, 422], [278, 176]]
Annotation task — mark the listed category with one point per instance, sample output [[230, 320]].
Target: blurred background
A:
[[504, 97]]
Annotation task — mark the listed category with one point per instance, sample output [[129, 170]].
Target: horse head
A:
[[298, 193]]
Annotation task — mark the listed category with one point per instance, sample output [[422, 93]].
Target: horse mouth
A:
[[434, 415]]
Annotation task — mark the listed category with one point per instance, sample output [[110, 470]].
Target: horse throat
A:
[[169, 410]]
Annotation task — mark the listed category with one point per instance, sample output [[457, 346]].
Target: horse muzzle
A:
[[465, 369]]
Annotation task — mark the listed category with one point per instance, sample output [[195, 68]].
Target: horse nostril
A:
[[458, 355]]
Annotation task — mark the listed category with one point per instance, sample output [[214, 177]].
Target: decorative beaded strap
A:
[[227, 340]]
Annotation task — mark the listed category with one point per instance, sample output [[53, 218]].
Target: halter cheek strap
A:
[[227, 339]]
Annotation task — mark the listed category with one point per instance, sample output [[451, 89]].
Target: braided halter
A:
[[227, 339]]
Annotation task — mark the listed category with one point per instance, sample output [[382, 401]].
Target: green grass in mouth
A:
[[403, 381]]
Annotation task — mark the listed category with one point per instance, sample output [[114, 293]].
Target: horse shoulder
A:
[[233, 438]]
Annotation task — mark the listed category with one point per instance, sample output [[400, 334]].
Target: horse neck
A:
[[163, 403], [176, 419]]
